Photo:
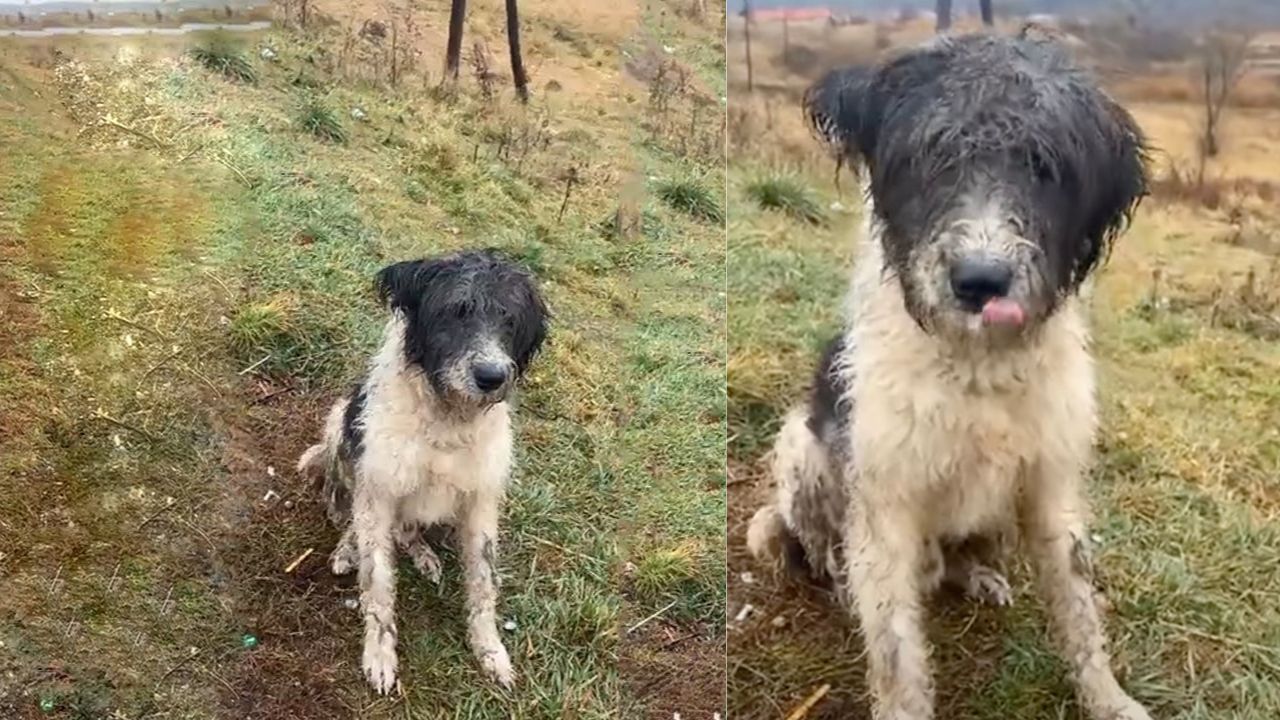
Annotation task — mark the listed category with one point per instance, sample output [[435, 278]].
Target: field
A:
[[1186, 484], [187, 244]]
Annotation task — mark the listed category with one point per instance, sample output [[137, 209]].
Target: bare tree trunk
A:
[[746, 29], [513, 43], [453, 50], [944, 15], [988, 13]]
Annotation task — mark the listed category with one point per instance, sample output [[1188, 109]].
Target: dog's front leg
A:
[[886, 553], [479, 560], [372, 524], [1053, 518]]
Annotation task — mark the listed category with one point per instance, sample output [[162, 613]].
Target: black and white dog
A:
[[957, 409], [425, 440]]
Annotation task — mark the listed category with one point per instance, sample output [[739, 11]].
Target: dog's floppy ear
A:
[[530, 332], [1123, 182], [400, 286], [841, 106], [529, 321]]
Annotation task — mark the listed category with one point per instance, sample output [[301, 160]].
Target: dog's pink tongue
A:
[[1003, 312]]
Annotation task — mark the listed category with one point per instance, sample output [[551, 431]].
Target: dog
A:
[[956, 411], [424, 441]]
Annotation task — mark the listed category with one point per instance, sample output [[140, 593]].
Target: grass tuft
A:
[[224, 56], [321, 121], [788, 195], [692, 197]]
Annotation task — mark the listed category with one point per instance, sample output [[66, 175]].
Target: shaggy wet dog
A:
[[957, 409], [425, 441]]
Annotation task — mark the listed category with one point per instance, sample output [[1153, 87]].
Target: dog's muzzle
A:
[[981, 284], [490, 377]]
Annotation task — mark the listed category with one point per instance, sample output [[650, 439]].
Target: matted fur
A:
[[933, 438], [419, 446]]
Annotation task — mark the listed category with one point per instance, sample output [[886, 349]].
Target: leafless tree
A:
[[518, 75], [1220, 67]]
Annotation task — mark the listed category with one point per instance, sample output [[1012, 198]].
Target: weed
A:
[[220, 54], [692, 197], [319, 120], [786, 193]]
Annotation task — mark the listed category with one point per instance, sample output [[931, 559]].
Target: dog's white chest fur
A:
[[953, 432], [425, 458]]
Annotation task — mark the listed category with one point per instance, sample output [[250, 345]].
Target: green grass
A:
[[786, 194], [196, 318], [1185, 487]]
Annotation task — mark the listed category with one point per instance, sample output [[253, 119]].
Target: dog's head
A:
[[1000, 174], [473, 322]]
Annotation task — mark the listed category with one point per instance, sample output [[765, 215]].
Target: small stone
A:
[[351, 603], [288, 504], [271, 471], [267, 54], [358, 113], [748, 578], [780, 621], [248, 641], [509, 625]]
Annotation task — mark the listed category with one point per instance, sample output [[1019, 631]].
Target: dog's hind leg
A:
[[886, 557], [479, 539], [801, 528], [1053, 525], [409, 539], [372, 522]]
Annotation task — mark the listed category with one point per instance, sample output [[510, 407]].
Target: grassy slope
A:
[[673, 481], [1185, 489], [243, 243]]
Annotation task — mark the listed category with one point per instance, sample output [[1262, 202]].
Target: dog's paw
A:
[[497, 665], [1126, 709], [989, 586], [380, 663], [427, 563], [342, 560]]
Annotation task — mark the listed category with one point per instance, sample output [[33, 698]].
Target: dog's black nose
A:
[[489, 376], [975, 280]]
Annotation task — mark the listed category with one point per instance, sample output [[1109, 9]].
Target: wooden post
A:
[[944, 15], [453, 50], [746, 29], [517, 64]]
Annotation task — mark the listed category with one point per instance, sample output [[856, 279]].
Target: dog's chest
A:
[[975, 451], [431, 464], [952, 452]]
